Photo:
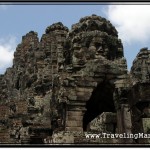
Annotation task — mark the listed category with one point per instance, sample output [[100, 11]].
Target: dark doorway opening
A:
[[36, 140], [100, 101]]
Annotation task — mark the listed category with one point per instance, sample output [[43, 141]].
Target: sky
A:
[[131, 21]]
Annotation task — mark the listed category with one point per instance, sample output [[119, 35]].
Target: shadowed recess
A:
[[100, 101]]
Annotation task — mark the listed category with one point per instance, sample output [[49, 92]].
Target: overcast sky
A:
[[131, 21]]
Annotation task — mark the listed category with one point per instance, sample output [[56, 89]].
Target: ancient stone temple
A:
[[72, 84]]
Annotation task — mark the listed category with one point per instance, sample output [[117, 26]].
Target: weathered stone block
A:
[[74, 118], [4, 136], [74, 113], [146, 125], [21, 107], [4, 112], [74, 123], [72, 97], [73, 129], [79, 89], [62, 138]]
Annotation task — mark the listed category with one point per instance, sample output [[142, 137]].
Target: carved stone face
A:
[[92, 38], [88, 49]]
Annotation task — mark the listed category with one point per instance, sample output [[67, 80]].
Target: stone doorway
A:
[[100, 101]]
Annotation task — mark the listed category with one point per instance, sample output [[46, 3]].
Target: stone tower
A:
[[71, 83]]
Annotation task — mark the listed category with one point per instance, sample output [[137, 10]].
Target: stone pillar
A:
[[74, 120], [124, 122], [140, 104], [145, 121], [146, 127], [76, 106]]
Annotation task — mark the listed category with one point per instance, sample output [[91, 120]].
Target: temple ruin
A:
[[71, 83]]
